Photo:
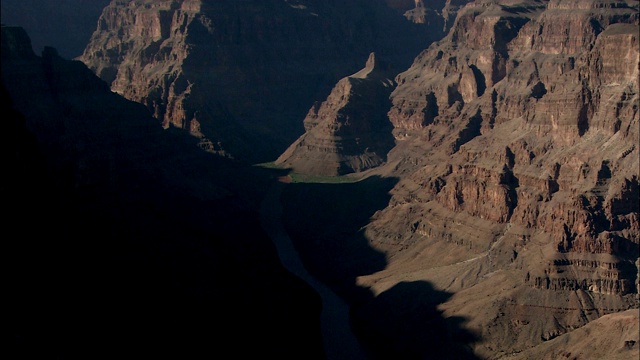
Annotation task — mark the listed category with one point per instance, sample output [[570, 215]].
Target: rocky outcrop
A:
[[488, 194], [348, 132], [353, 133], [241, 75]]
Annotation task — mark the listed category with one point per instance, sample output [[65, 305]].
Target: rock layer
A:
[[348, 132], [517, 158], [542, 130]]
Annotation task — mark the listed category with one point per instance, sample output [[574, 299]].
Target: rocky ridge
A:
[[520, 111]]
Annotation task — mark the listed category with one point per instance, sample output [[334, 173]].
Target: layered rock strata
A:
[[536, 105], [517, 153], [347, 132], [612, 337]]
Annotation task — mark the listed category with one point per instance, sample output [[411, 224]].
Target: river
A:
[[338, 339]]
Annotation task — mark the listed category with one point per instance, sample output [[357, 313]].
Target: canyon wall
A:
[[240, 76], [523, 122], [516, 154]]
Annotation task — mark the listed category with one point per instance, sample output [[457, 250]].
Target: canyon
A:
[[462, 175]]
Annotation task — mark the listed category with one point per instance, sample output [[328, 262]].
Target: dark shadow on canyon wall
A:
[[325, 223], [126, 241], [405, 323]]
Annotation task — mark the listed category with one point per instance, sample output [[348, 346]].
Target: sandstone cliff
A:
[[349, 131], [536, 106]]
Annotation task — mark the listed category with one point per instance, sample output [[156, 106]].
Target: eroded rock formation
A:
[[347, 132]]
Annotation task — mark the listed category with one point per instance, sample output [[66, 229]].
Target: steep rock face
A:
[[564, 102], [516, 149], [130, 242], [240, 75], [348, 132]]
